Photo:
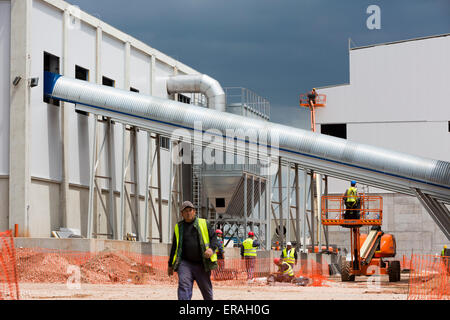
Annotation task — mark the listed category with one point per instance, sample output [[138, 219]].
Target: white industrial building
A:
[[396, 98]]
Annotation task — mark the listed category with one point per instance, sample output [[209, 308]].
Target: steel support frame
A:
[[437, 210], [95, 188], [116, 221]]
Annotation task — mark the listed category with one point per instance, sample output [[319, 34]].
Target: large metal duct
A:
[[333, 156], [199, 83]]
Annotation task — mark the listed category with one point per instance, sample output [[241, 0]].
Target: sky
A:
[[276, 48]]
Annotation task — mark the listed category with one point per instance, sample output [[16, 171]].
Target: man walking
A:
[[248, 252], [192, 254]]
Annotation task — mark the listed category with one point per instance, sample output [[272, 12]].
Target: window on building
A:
[[220, 202], [108, 82], [164, 143], [184, 99], [81, 74], [336, 130], [51, 64], [449, 126], [134, 89]]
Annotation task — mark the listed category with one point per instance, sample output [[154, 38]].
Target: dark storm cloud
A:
[[277, 49]]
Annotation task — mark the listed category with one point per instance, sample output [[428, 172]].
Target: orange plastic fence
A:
[[57, 266], [429, 278], [9, 288]]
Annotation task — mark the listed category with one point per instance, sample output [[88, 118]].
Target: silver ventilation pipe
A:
[[384, 168], [199, 83]]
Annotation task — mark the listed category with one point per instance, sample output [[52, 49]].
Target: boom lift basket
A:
[[321, 100], [370, 212]]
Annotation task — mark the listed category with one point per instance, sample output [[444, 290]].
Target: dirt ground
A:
[[364, 288]]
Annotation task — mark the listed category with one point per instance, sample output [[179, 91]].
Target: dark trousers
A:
[[250, 266], [187, 273], [353, 213]]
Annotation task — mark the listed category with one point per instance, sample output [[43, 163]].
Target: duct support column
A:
[[267, 206], [318, 210], [158, 158], [288, 198], [147, 229], [304, 208], [19, 132], [280, 199], [245, 205], [297, 206]]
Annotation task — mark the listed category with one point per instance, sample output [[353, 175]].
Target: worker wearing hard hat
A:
[[443, 252], [220, 250], [285, 271], [289, 255], [352, 202], [248, 252]]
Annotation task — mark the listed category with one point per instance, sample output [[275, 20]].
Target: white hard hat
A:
[[289, 244]]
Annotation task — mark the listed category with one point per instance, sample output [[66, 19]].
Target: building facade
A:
[[396, 99], [46, 145]]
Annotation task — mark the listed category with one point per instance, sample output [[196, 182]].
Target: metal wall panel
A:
[[45, 148], [5, 37], [406, 81], [140, 71], [79, 125]]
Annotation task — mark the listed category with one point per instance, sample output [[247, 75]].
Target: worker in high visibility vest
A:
[[285, 271], [248, 253], [289, 255], [220, 250], [192, 254], [352, 202]]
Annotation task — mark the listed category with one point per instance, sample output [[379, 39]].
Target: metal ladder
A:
[[196, 187]]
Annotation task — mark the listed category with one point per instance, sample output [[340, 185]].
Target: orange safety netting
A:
[[61, 266], [429, 278], [9, 288]]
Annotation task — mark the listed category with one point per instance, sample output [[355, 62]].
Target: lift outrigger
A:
[[368, 251]]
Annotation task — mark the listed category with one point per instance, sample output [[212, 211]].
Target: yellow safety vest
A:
[[249, 250], [289, 271], [289, 258], [204, 231], [351, 195]]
